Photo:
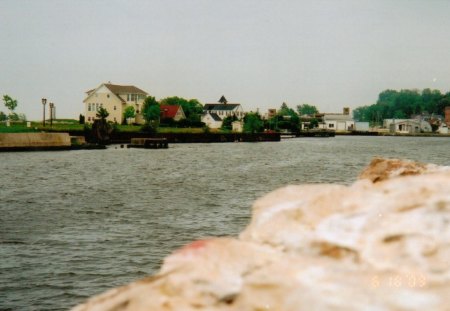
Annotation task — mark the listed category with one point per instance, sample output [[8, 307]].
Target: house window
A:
[[331, 125], [115, 120], [96, 106], [107, 95], [115, 108], [89, 119], [89, 107]]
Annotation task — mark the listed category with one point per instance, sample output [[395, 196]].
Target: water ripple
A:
[[73, 224]]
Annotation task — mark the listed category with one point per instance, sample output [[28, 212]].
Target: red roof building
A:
[[172, 112]]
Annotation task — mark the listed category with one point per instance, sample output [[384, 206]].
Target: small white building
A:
[[214, 113], [238, 126], [211, 120], [225, 109], [362, 126], [338, 121], [443, 129], [407, 126]]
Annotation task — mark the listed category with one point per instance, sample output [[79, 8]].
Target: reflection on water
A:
[[75, 223]]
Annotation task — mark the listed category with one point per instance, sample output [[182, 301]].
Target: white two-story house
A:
[[114, 98]]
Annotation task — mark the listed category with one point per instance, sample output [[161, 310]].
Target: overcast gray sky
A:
[[260, 53]]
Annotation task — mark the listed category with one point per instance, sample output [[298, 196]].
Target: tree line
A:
[[403, 104]]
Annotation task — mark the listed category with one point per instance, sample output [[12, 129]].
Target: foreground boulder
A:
[[382, 243]]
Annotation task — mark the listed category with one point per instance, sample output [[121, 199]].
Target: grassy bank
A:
[[73, 125]]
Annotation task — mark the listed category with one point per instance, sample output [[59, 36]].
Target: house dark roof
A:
[[121, 89], [168, 111], [209, 107], [215, 116]]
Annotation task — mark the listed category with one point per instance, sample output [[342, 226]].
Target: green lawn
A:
[[16, 129], [72, 125]]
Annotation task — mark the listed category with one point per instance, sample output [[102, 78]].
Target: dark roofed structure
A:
[[209, 107], [121, 89], [223, 100], [220, 110], [216, 117]]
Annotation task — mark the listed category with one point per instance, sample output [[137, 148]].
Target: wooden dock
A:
[[149, 143]]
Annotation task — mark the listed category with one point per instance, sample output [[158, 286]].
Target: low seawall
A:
[[34, 141], [125, 137]]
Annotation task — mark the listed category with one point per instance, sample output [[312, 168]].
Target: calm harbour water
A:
[[76, 223]]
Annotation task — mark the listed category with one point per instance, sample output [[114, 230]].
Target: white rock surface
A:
[[382, 243]]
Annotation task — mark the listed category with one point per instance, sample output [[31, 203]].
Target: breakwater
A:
[[125, 137], [34, 141]]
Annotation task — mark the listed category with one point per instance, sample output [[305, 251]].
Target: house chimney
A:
[[346, 111]]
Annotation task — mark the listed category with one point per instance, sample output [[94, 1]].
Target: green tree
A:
[[287, 119], [306, 109], [129, 113], [3, 116], [360, 114], [253, 123], [101, 130], [442, 103], [227, 122], [401, 105], [151, 113], [81, 119], [314, 123], [102, 113], [192, 108], [10, 103]]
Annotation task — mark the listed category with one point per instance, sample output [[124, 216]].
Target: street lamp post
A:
[[51, 113], [44, 101]]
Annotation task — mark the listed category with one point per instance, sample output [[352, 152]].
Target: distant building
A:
[[447, 115], [443, 129], [362, 126], [237, 126], [338, 121], [214, 113], [212, 120], [114, 98], [270, 114], [174, 112], [407, 126]]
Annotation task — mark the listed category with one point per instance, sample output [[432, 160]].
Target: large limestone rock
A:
[[382, 243]]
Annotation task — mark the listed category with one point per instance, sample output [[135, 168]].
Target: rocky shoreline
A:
[[382, 243]]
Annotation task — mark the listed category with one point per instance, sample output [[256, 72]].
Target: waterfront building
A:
[[237, 126], [362, 126], [173, 112], [443, 129], [447, 115], [114, 98], [214, 113], [338, 121], [211, 120], [271, 112], [407, 126]]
